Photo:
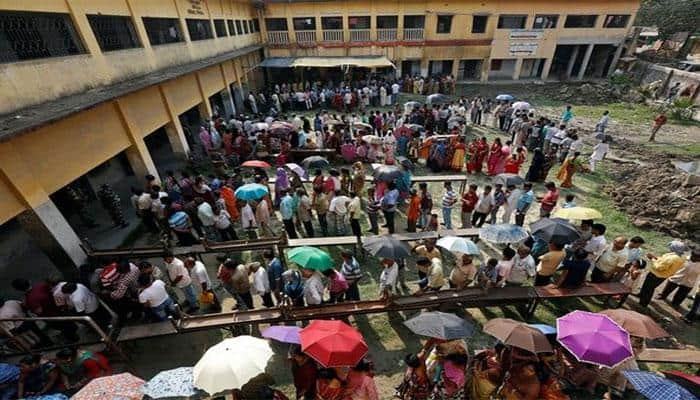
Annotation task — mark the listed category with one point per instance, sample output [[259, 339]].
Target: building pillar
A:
[[546, 68], [584, 63], [137, 154], [616, 58], [572, 61], [424, 66], [228, 98], [485, 68], [517, 68], [455, 69], [176, 135], [205, 110]]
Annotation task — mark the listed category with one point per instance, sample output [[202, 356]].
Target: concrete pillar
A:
[[176, 135], [584, 63], [227, 96], [517, 68], [485, 68], [455, 68], [572, 61], [205, 110], [137, 154], [546, 68], [616, 58], [424, 65]]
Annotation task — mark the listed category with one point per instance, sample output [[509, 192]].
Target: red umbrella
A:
[[333, 343], [256, 164]]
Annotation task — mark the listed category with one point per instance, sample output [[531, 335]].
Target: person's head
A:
[[412, 360], [21, 285], [555, 245], [144, 280], [327, 374], [508, 253], [69, 287], [189, 262], [580, 254], [168, 257], [568, 108], [145, 267], [29, 363], [472, 188], [300, 192], [387, 262], [597, 229], [606, 112], [550, 186], [498, 187], [306, 273], [523, 251], [268, 255], [619, 243], [66, 356], [487, 189], [636, 242], [365, 365], [527, 186], [492, 263], [430, 244], [586, 224], [569, 198], [346, 254], [467, 259], [448, 186], [423, 261], [695, 255], [124, 267]]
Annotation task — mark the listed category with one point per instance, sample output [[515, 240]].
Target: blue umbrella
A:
[[545, 329], [504, 97], [251, 191], [8, 373], [176, 382], [653, 386], [503, 233]]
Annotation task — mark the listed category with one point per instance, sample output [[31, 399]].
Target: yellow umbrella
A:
[[579, 213]]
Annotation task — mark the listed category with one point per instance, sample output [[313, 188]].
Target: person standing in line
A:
[[426, 204], [200, 276], [205, 214], [248, 222], [662, 268], [262, 216], [304, 212], [611, 261], [355, 211], [483, 207], [320, 205], [313, 287], [548, 263], [469, 200], [223, 224], [275, 269], [352, 273], [683, 280], [287, 212], [449, 199], [599, 152], [388, 202], [499, 198], [372, 210], [512, 196], [413, 212], [180, 277], [549, 201], [524, 202], [338, 209], [261, 283]]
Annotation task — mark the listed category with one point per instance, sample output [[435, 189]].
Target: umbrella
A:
[[690, 382], [415, 127], [255, 164], [283, 333], [310, 258], [177, 382], [504, 97], [692, 167], [594, 338], [518, 334], [122, 386], [439, 325], [458, 245], [332, 122], [655, 387], [314, 162], [386, 246], [296, 168], [503, 233], [410, 105], [387, 173], [406, 163], [636, 324], [521, 105], [508, 180], [256, 127], [579, 213], [231, 364], [333, 343], [362, 125], [251, 191], [454, 121], [545, 329], [280, 128], [556, 229], [8, 373], [436, 98], [372, 139]]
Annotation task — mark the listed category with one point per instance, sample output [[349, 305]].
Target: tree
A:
[[670, 16]]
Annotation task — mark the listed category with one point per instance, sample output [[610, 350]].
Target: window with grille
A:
[[276, 24], [479, 23], [545, 21], [31, 35], [114, 32], [511, 21], [580, 21], [256, 25], [245, 27], [444, 23], [414, 21], [332, 23], [304, 24], [387, 22], [220, 27], [162, 30], [616, 21], [359, 22], [239, 27], [250, 26], [231, 27], [199, 29]]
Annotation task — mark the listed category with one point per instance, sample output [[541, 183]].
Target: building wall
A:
[[72, 74]]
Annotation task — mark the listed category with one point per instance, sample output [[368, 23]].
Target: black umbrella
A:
[[440, 325], [387, 173], [557, 229], [314, 162], [386, 246], [406, 162], [508, 180]]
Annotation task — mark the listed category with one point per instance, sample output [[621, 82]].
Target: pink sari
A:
[[494, 156], [501, 162]]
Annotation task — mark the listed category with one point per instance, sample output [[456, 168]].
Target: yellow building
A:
[[472, 40]]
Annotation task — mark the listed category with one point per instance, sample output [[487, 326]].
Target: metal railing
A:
[[278, 37], [413, 34], [333, 35], [386, 35], [359, 35], [306, 36]]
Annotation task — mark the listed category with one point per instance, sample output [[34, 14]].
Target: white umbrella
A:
[[231, 364], [372, 139], [258, 126], [521, 105], [458, 245]]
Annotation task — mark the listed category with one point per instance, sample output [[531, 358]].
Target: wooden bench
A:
[[587, 290], [682, 356]]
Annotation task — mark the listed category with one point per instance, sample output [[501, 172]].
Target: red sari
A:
[[494, 157], [473, 151]]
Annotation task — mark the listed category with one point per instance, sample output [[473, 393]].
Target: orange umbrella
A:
[[636, 324], [255, 164]]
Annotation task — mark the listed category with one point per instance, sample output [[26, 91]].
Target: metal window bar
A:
[[277, 37], [359, 35], [162, 30], [114, 32], [32, 35], [333, 35], [199, 29], [413, 34], [306, 36], [386, 35]]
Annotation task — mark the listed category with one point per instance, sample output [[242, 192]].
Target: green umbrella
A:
[[310, 258]]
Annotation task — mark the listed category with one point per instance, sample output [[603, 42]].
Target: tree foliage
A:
[[670, 16]]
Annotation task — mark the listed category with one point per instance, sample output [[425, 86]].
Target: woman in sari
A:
[[512, 165], [328, 385], [549, 160], [486, 375], [358, 178], [458, 156], [403, 183], [415, 385], [360, 382], [205, 139], [472, 156], [481, 154], [521, 383], [568, 169], [535, 170], [506, 150], [494, 156], [451, 376], [281, 184], [425, 147]]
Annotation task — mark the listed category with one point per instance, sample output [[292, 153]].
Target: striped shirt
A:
[[373, 206], [351, 270], [449, 199], [179, 221]]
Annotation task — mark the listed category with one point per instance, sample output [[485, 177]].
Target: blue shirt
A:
[[179, 221], [566, 117], [274, 272], [389, 200], [287, 207], [525, 200]]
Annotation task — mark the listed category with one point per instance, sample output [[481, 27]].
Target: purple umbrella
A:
[[594, 338], [282, 333]]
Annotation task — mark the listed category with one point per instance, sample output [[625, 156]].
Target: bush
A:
[[681, 109], [620, 79]]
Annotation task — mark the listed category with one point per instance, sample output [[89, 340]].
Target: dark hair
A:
[[144, 280], [557, 245], [144, 264], [327, 373], [365, 365], [599, 227], [65, 353], [30, 360], [550, 185], [637, 239], [124, 267], [230, 264], [581, 254], [329, 272], [508, 253], [423, 260], [21, 284], [268, 254], [69, 287], [492, 262], [588, 222], [412, 360], [458, 358], [167, 253], [570, 197]]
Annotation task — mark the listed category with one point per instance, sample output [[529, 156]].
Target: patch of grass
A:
[[675, 149]]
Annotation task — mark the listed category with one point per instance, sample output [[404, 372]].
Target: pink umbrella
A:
[[594, 338]]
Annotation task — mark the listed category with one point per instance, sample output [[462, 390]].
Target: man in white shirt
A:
[[85, 302], [180, 277], [355, 211], [512, 196], [155, 298], [483, 207], [338, 211], [198, 273], [523, 268], [261, 283], [205, 214], [248, 221], [611, 260], [14, 309], [313, 288], [395, 88], [558, 136], [596, 244], [388, 277], [304, 212]]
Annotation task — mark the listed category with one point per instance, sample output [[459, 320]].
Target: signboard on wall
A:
[[530, 34], [195, 7], [522, 48]]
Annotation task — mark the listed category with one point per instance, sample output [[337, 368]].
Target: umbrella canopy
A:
[[256, 127], [594, 338], [310, 258], [556, 229], [362, 125], [387, 173], [503, 233], [521, 105], [458, 245], [332, 122], [504, 97], [410, 105], [283, 333], [636, 324], [251, 191], [579, 213], [231, 364], [122, 386], [386, 246], [436, 98], [545, 329], [454, 121], [256, 164], [177, 382], [415, 127], [655, 387], [297, 169], [314, 162], [406, 163], [508, 180], [8, 373], [280, 128], [692, 167], [439, 325], [333, 343], [372, 139], [688, 381], [518, 334]]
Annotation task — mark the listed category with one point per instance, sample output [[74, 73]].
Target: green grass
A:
[[675, 149]]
